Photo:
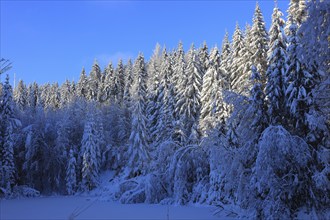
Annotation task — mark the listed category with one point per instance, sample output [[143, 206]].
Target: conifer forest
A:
[[246, 124]]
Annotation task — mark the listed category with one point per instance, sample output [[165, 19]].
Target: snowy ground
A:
[[97, 205], [75, 207]]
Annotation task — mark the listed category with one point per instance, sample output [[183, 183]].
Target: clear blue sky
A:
[[50, 41]]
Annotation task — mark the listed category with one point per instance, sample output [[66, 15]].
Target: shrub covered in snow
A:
[[281, 177], [24, 191]]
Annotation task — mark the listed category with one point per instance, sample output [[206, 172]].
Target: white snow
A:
[[77, 207]]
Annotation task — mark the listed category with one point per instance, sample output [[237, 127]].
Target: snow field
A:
[[76, 207]]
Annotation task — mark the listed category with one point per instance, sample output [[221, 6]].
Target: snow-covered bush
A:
[[189, 169], [133, 190], [24, 191], [281, 174]]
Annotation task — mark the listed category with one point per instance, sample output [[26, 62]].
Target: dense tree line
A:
[[247, 125]]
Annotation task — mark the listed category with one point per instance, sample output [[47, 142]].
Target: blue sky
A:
[[50, 41]]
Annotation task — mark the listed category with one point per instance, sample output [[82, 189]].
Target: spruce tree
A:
[[82, 85], [94, 81], [153, 106], [8, 123], [109, 83], [188, 102], [165, 119], [138, 152], [71, 179], [153, 70], [128, 83], [65, 93], [20, 95], [90, 151], [239, 79], [203, 55], [55, 96], [299, 83], [179, 74], [120, 81], [33, 95], [225, 57], [259, 43], [212, 103], [275, 90], [257, 103]]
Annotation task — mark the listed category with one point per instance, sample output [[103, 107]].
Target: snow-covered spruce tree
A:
[[90, 151], [71, 179], [44, 95], [165, 121], [55, 96], [128, 83], [65, 93], [8, 124], [153, 107], [101, 94], [275, 90], [20, 95], [259, 43], [138, 151], [299, 83], [153, 69], [119, 82], [73, 88], [33, 96], [7, 160], [179, 66], [188, 101], [212, 103], [109, 83], [179, 76], [94, 81], [203, 54], [225, 57], [82, 85], [235, 58], [296, 14], [239, 78], [246, 62]]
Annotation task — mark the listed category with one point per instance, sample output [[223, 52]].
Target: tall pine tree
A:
[[275, 89], [138, 152], [188, 102], [90, 151], [259, 43], [212, 103]]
